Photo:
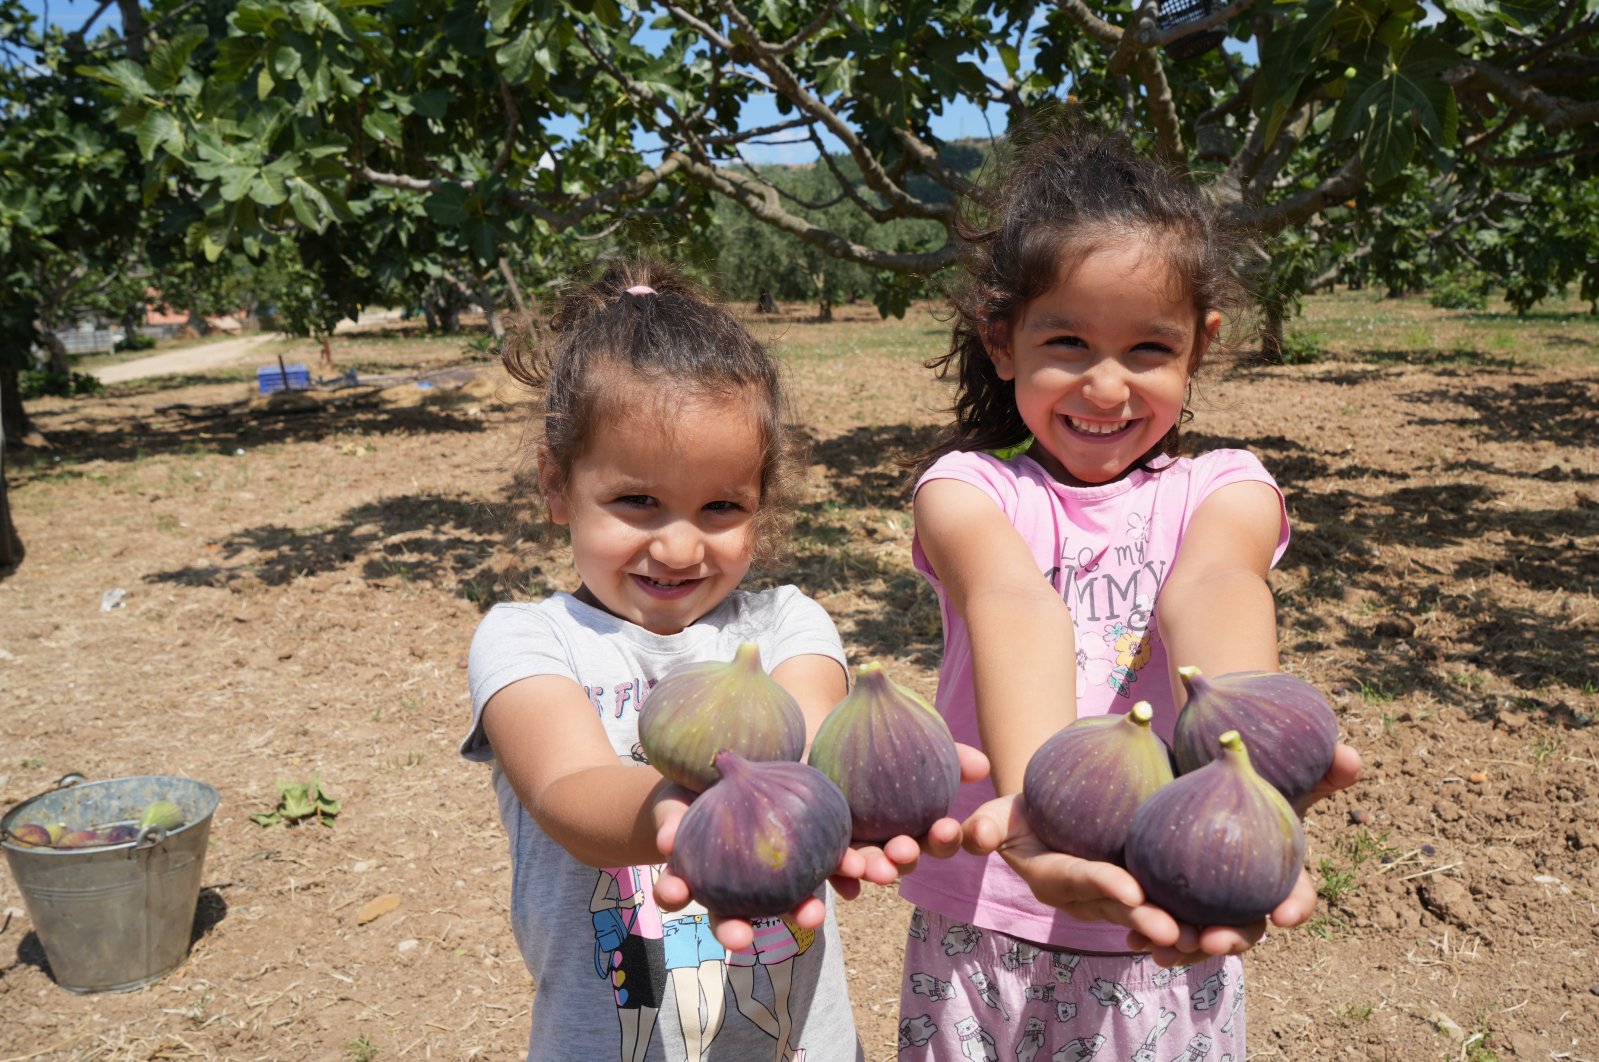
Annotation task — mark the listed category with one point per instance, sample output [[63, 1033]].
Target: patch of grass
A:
[[361, 1049], [1364, 846], [1378, 692], [1476, 1049], [1336, 882], [1324, 926], [1357, 1013], [1545, 749], [1557, 334]]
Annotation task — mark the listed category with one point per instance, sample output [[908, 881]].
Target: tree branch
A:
[[1555, 114], [1096, 27], [787, 47], [1341, 186], [762, 203], [628, 190], [788, 85]]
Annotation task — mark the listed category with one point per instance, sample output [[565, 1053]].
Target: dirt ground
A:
[[301, 583]]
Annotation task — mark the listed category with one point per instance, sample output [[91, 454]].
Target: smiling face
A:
[[661, 506], [1101, 362]]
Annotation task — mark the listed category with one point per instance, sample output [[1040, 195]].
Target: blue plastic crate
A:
[[272, 378]]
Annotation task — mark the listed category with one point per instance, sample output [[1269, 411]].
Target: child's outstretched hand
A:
[[1105, 892], [879, 864]]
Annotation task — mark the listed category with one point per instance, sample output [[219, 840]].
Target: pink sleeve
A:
[[985, 472], [1220, 468]]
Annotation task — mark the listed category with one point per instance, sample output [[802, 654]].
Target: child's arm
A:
[[1024, 671], [1216, 612], [1215, 609], [1024, 650], [554, 752]]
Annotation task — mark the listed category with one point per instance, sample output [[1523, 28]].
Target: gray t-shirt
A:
[[609, 967]]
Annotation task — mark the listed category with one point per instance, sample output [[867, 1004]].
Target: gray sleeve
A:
[[800, 626], [513, 642]]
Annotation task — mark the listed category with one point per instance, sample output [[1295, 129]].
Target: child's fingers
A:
[[846, 888], [671, 891], [1231, 940], [870, 864], [1300, 904], [1085, 889], [668, 806], [986, 828], [853, 863], [810, 913], [974, 764], [1344, 772], [902, 853], [735, 934], [943, 839]]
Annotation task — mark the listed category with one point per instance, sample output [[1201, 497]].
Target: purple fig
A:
[[1083, 785], [1219, 846], [81, 839], [763, 838], [892, 755], [1290, 727], [699, 709], [29, 835], [122, 833]]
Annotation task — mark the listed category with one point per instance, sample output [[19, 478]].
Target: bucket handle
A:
[[149, 837], [71, 778]]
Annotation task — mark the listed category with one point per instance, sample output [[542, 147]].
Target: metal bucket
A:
[[113, 917]]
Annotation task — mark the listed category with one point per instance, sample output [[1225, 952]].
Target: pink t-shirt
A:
[[1106, 549]]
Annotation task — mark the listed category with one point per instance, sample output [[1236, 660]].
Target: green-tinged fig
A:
[[1219, 846], [30, 835], [762, 838], [892, 755], [162, 813], [1083, 785], [1290, 727], [698, 709]]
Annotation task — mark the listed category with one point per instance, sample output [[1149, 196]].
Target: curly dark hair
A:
[[1061, 189], [682, 344]]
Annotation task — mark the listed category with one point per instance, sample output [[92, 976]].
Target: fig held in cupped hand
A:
[[762, 838], [1291, 729], [891, 754], [1219, 846], [1084, 783], [698, 709]]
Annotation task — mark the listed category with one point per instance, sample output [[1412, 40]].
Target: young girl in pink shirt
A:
[[1078, 559]]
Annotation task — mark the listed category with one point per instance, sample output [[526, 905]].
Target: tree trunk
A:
[[12, 415], [132, 28], [515, 289], [1271, 336], [12, 419]]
